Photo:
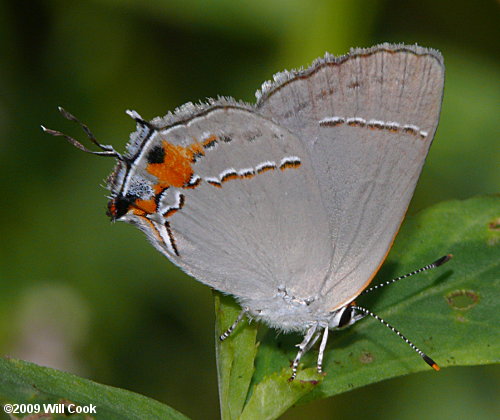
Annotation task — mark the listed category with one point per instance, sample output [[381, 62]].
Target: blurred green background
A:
[[95, 299]]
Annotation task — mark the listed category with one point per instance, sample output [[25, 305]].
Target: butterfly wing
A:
[[367, 121], [229, 196]]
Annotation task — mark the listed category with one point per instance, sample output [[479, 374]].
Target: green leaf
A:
[[235, 356], [272, 396], [422, 307], [449, 312], [23, 382]]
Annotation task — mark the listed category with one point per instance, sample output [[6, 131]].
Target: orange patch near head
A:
[[176, 170], [142, 207]]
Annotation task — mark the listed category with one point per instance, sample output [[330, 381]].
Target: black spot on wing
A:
[[156, 155]]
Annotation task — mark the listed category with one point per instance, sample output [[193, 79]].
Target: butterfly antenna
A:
[[106, 149], [426, 358], [435, 264]]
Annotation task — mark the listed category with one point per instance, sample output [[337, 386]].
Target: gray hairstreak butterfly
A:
[[292, 204]]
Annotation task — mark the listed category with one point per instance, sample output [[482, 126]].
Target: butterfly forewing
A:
[[233, 200]]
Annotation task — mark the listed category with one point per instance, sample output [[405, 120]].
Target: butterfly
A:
[[292, 204]]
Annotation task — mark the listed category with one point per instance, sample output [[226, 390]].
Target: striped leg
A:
[[322, 350], [228, 332], [303, 347], [312, 342]]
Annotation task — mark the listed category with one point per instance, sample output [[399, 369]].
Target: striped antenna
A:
[[426, 358], [435, 264]]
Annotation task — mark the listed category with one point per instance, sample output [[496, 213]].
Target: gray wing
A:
[[231, 198], [367, 120]]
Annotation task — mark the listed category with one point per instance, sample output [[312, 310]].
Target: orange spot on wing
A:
[[209, 140], [142, 207], [409, 130], [288, 165], [176, 170], [230, 177], [158, 188], [215, 183], [265, 169], [196, 149], [248, 175], [170, 212]]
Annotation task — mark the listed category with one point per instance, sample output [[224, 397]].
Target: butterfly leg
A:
[[309, 339], [322, 350], [312, 342], [228, 332]]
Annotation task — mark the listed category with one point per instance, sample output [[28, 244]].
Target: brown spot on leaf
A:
[[462, 300], [494, 232], [366, 358], [312, 382], [494, 225]]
